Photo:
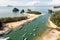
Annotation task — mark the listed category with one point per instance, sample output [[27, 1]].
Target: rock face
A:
[[22, 11], [15, 10], [1, 25]]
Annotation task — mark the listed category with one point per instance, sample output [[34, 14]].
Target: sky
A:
[[28, 2], [56, 2]]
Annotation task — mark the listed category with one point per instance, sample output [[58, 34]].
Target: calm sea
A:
[[7, 11]]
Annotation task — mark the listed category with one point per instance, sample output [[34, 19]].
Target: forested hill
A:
[[55, 18]]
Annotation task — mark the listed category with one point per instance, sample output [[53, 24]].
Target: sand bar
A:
[[18, 23], [14, 25]]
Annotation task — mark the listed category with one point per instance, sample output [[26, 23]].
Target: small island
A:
[[33, 12], [56, 6], [13, 23], [15, 10]]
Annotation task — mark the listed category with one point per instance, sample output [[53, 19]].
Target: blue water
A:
[[7, 11], [39, 23]]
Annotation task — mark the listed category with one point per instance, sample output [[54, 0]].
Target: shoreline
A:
[[51, 24], [52, 33], [14, 25], [17, 25]]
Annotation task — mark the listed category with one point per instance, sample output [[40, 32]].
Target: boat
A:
[[34, 29], [42, 21], [24, 34], [25, 39], [3, 38], [34, 34], [30, 33]]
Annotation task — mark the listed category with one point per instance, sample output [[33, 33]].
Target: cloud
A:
[[56, 2], [17, 3], [7, 2], [24, 3], [32, 3]]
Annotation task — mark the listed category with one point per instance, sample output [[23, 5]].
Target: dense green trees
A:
[[50, 11], [12, 19], [55, 18]]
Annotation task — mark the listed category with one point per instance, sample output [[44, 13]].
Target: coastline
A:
[[15, 25], [51, 24], [52, 33], [19, 24]]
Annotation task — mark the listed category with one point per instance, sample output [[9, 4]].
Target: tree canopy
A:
[[55, 18], [29, 10]]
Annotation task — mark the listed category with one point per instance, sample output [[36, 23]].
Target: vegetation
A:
[[15, 10], [34, 12], [55, 18], [56, 6], [29, 10], [50, 11], [22, 11], [12, 19]]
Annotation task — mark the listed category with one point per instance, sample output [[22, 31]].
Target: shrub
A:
[[55, 18], [50, 11], [34, 12], [12, 19]]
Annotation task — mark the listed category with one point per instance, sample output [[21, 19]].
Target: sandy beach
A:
[[51, 24], [15, 25], [19, 23], [51, 33]]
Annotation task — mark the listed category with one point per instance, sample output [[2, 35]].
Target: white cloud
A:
[[20, 3], [17, 3], [7, 2], [32, 3], [56, 2]]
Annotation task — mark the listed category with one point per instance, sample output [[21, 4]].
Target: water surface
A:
[[39, 24]]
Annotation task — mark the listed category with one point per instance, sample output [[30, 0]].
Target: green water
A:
[[39, 24]]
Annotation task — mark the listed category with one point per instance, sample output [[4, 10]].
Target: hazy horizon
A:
[[25, 2]]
